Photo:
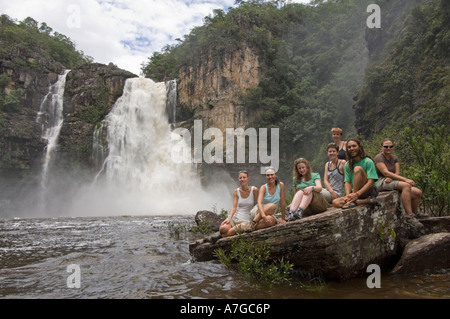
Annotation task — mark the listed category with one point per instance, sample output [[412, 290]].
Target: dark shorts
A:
[[373, 192]]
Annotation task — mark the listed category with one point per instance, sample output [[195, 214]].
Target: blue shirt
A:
[[275, 198]]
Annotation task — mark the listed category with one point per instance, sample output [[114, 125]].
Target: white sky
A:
[[124, 32]]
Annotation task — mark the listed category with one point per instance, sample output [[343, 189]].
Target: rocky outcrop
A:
[[337, 244], [20, 135], [91, 91], [212, 89], [208, 219], [429, 253]]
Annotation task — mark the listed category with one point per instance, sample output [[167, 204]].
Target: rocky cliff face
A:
[[20, 134], [213, 88], [90, 93]]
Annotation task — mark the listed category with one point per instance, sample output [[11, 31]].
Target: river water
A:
[[143, 257]]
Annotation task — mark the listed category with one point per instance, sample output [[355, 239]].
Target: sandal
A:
[[350, 205], [373, 201]]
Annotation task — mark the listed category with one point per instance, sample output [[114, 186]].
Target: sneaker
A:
[[296, 215], [290, 216], [300, 212]]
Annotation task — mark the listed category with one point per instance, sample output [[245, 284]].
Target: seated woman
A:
[[307, 199], [333, 175], [389, 178], [244, 199], [270, 195]]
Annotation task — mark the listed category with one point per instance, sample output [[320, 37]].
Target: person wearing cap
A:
[[270, 196]]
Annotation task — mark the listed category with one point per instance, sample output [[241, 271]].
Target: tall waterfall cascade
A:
[[138, 163], [50, 116]]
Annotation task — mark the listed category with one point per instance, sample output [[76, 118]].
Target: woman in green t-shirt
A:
[[308, 186]]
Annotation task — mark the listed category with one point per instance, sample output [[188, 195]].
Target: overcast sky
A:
[[124, 32]]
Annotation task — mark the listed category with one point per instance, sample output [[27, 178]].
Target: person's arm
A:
[[326, 180], [393, 176], [348, 191], [255, 194], [261, 193], [397, 168], [233, 208], [318, 186], [282, 202], [342, 166]]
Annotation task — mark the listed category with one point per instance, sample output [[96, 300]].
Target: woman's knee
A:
[[269, 209], [224, 228], [271, 222]]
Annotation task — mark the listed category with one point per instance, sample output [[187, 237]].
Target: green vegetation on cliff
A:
[[35, 46], [321, 66], [312, 63], [411, 86], [28, 46]]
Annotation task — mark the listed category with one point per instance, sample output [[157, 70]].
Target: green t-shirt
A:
[[304, 184], [369, 167]]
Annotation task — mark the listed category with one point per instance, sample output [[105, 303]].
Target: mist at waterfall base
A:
[[137, 176]]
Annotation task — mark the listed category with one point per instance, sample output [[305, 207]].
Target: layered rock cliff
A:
[[212, 89], [91, 91], [20, 138]]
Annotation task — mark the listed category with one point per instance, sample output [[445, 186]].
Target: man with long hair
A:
[[360, 178]]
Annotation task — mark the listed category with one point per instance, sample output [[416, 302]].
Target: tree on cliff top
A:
[[26, 39]]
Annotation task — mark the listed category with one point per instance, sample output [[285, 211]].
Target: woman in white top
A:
[[244, 199]]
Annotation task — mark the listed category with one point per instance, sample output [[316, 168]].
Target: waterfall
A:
[[139, 165], [98, 148], [50, 116], [171, 104]]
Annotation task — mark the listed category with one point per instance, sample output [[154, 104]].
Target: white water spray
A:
[[139, 167]]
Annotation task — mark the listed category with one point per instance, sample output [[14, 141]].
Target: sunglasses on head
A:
[[388, 146]]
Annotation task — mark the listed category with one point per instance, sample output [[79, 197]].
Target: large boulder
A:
[[208, 219], [337, 244], [429, 253]]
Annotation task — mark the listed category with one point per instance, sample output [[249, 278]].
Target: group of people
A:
[[350, 170]]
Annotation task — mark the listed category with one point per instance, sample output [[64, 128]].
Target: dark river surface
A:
[[144, 257]]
